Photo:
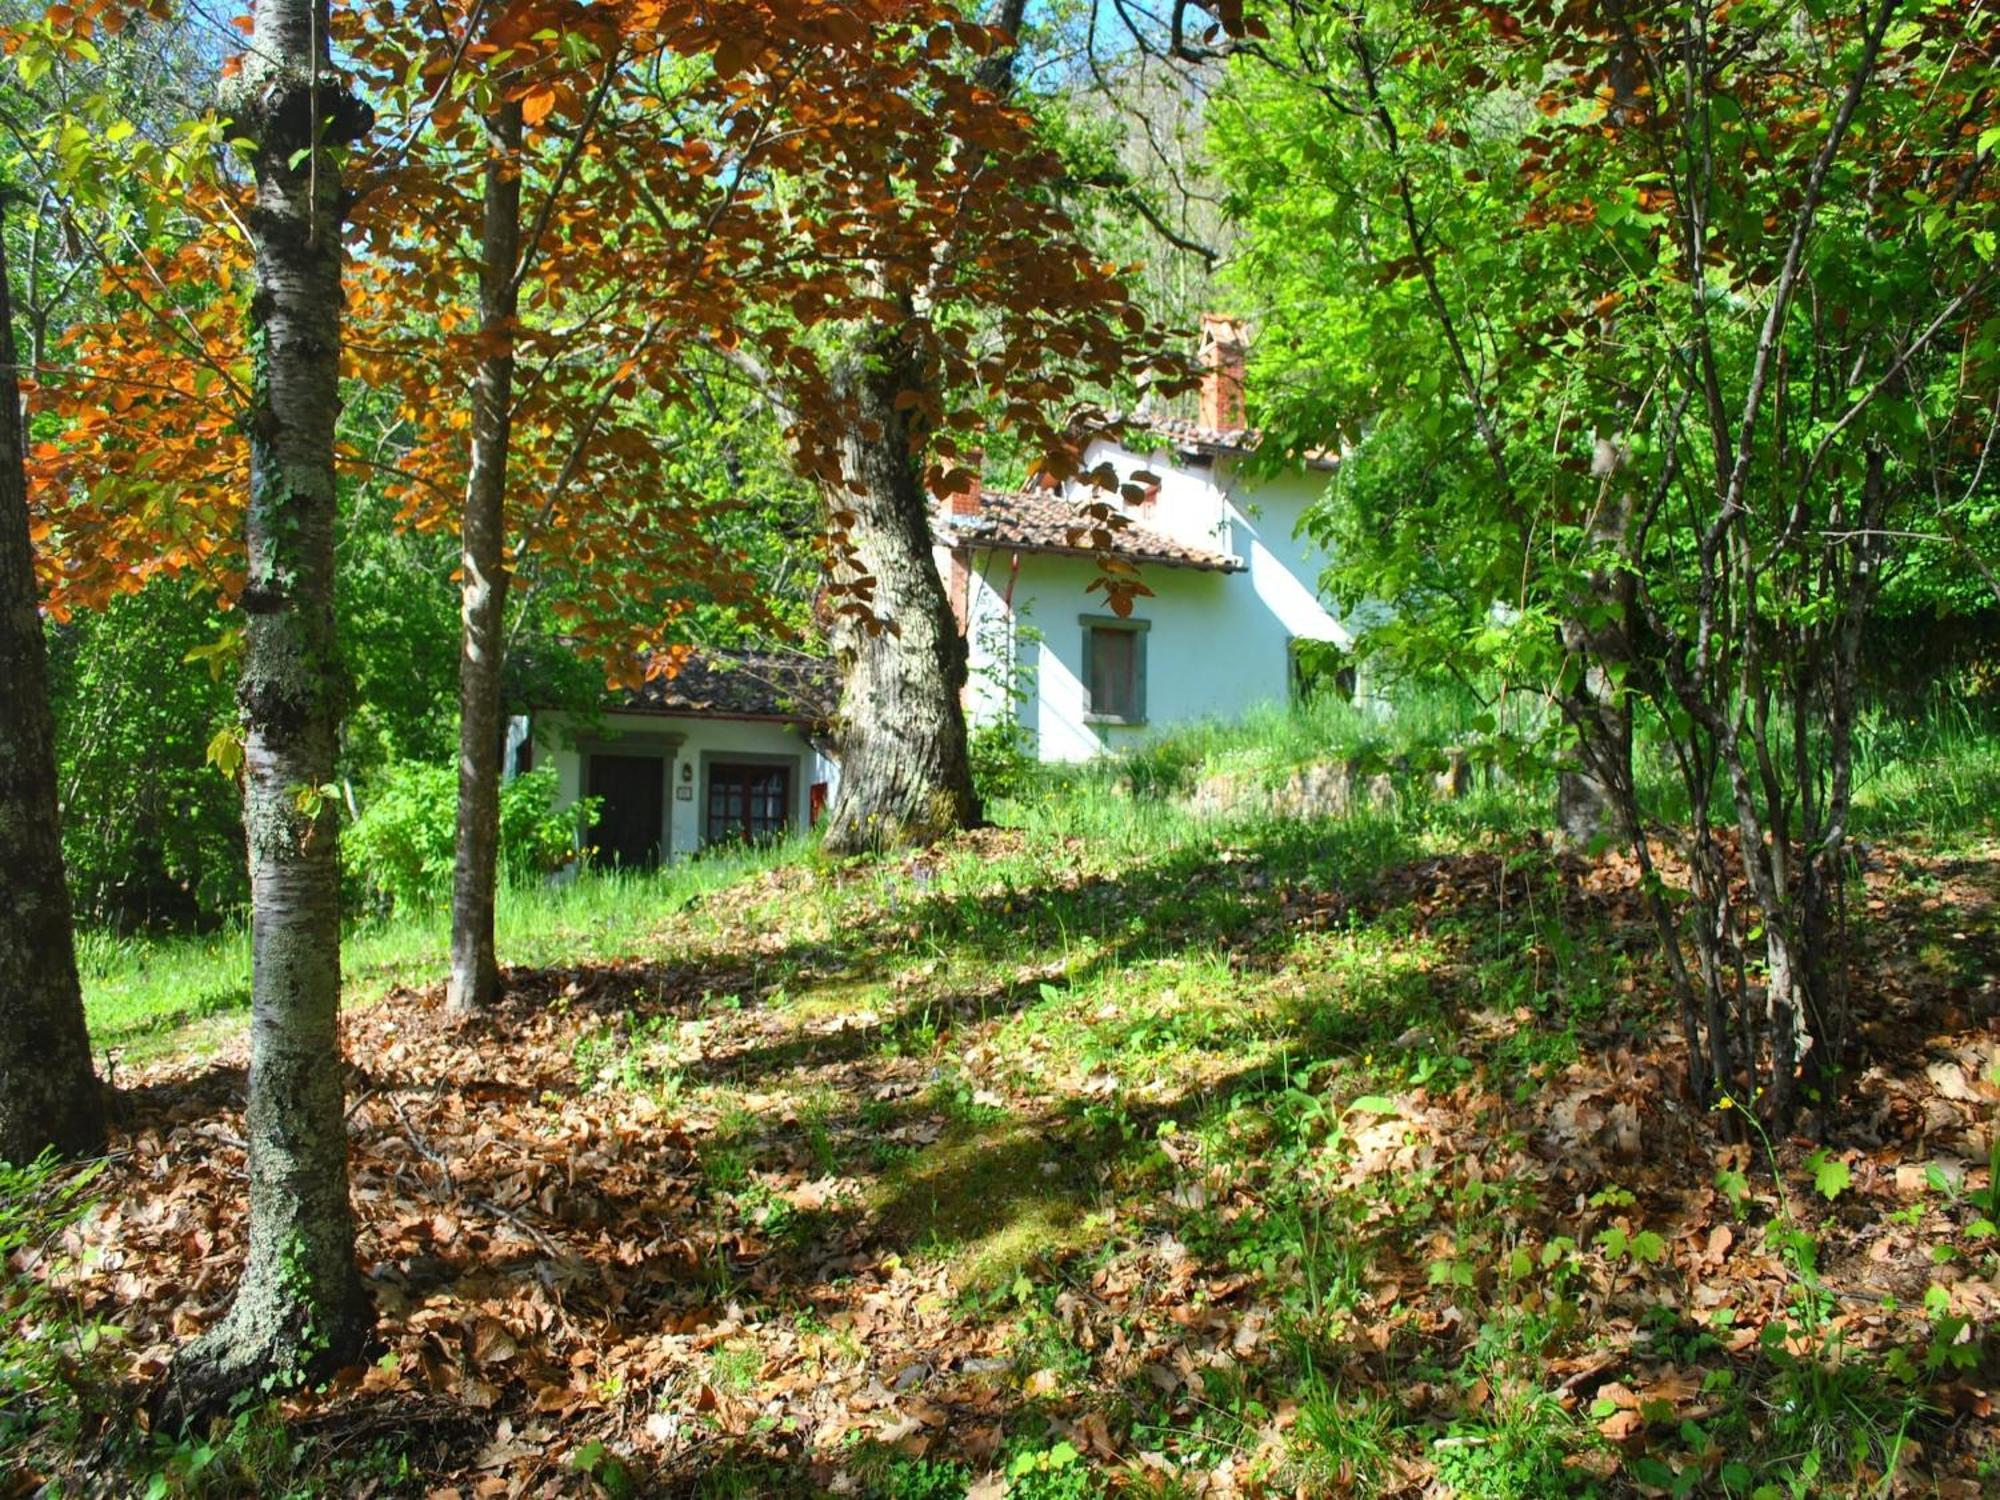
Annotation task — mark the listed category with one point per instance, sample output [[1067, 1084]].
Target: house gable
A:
[[1232, 586]]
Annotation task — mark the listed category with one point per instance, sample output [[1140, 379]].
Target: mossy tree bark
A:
[[905, 778], [48, 1094], [475, 969], [300, 1309]]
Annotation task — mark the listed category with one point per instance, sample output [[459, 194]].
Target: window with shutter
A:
[[1115, 670]]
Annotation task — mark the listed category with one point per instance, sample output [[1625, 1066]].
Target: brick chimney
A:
[[968, 502], [1221, 357]]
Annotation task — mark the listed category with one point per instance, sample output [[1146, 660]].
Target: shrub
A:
[[400, 849], [152, 835], [1004, 765], [1163, 768]]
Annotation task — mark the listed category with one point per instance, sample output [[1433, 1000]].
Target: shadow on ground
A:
[[1231, 1154]]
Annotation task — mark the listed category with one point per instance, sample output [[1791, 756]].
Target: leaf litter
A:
[[669, 1209]]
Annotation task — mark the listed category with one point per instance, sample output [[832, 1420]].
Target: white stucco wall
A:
[[1217, 644], [688, 745]]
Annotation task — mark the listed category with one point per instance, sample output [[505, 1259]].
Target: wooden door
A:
[[632, 814]]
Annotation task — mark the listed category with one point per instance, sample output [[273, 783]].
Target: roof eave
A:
[[655, 711], [1217, 564]]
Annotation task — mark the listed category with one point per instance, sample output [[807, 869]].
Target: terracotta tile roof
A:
[[1030, 521], [1189, 433], [782, 685], [1183, 432]]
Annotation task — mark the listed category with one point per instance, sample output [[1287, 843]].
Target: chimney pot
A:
[[1222, 361]]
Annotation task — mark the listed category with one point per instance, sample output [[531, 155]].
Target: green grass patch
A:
[[149, 996]]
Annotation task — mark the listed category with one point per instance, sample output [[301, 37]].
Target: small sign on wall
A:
[[683, 794]]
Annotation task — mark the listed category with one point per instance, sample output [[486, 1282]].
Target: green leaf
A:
[[1650, 1470], [1373, 1104], [1830, 1175], [1734, 1185], [225, 751]]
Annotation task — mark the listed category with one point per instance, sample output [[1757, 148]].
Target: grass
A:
[[1412, 725], [1933, 774], [148, 996], [1238, 1140]]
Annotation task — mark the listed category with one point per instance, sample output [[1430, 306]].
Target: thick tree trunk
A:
[[300, 1309], [48, 1094], [475, 968], [905, 778], [905, 772]]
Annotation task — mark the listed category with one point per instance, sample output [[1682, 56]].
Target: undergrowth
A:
[[1112, 1151]]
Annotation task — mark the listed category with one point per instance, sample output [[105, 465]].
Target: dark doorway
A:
[[748, 802], [629, 819]]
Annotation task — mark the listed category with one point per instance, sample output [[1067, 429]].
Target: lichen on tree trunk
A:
[[475, 969], [300, 1309], [49, 1098], [905, 777]]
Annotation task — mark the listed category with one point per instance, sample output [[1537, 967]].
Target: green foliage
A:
[[1055, 1473], [1340, 1444], [1931, 766], [152, 834], [1577, 389], [610, 1471], [1004, 763], [1164, 767], [1516, 1453], [399, 633], [921, 1479], [399, 851], [1411, 728], [1831, 1175]]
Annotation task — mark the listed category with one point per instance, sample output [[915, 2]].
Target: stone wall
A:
[[1330, 788]]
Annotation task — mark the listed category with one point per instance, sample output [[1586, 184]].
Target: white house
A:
[[731, 747], [1234, 586], [726, 750]]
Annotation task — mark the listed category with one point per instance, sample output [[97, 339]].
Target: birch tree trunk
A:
[[300, 1309], [475, 969], [48, 1094], [905, 777]]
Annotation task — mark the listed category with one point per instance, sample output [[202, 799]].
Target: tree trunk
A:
[[1589, 800], [475, 969], [48, 1094], [905, 772], [1594, 789], [300, 1310], [905, 778]]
